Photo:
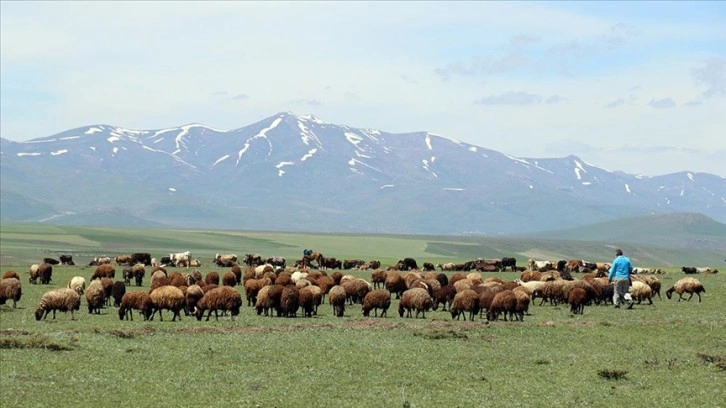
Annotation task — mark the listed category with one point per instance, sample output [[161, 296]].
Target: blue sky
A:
[[632, 86]]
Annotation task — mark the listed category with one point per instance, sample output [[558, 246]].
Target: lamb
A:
[[223, 298], [138, 272], [377, 299], [310, 298], [138, 300], [95, 297], [104, 271], [465, 301], [337, 298], [640, 290], [11, 274], [577, 300], [117, 292], [167, 297], [59, 299], [289, 301], [417, 299], [503, 302], [686, 285], [10, 288], [78, 284]]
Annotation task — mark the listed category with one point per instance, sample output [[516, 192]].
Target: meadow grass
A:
[[666, 354]]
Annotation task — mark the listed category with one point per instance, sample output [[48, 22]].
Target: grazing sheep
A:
[[237, 271], [377, 299], [289, 301], [191, 297], [503, 302], [577, 300], [465, 301], [138, 300], [528, 276], [212, 278], [268, 299], [95, 297], [177, 279], [457, 276], [33, 272], [356, 289], [107, 284], [394, 283], [229, 279], [378, 278], [442, 278], [104, 271], [195, 278], [284, 279], [252, 287], [310, 298], [127, 272], [686, 285], [158, 279], [462, 285], [10, 289], [486, 297], [522, 307], [59, 299], [223, 298], [337, 298], [45, 273], [11, 274], [117, 292], [653, 282], [78, 283], [415, 299], [167, 297], [138, 272], [444, 295], [640, 291]]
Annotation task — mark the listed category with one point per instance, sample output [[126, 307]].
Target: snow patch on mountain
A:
[[223, 158], [28, 154], [59, 152], [92, 130], [309, 154]]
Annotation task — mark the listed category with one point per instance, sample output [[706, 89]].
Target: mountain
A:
[[299, 173]]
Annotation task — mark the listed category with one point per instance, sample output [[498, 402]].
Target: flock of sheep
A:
[[284, 292]]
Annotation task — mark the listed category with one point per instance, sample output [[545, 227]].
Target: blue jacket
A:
[[620, 268]]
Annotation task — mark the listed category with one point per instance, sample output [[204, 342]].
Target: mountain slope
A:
[[291, 172]]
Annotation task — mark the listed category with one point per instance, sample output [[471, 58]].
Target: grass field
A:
[[665, 354]]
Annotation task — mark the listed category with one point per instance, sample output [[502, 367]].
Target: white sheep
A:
[[78, 284]]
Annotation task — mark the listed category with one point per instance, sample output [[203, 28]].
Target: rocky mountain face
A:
[[298, 173]]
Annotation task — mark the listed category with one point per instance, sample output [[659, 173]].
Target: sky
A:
[[638, 87]]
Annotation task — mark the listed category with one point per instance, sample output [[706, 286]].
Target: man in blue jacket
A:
[[620, 274]]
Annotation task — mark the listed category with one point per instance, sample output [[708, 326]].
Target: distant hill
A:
[[299, 173]]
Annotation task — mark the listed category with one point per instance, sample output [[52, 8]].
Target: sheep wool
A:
[[417, 299], [95, 297], [223, 298], [336, 297], [60, 299], [10, 289], [135, 300], [686, 285], [376, 299], [465, 301], [167, 297]]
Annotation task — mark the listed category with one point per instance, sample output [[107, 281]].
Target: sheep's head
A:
[[39, 314], [669, 292]]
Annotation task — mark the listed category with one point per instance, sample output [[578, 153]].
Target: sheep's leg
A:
[[689, 298], [699, 296]]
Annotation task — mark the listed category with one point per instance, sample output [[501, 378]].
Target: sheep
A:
[[78, 284], [686, 285], [107, 284], [504, 301], [442, 278], [394, 283], [528, 276], [59, 299], [138, 300], [45, 273], [212, 278], [486, 297], [284, 279], [117, 292], [337, 298], [325, 283], [356, 289], [462, 285], [167, 297], [417, 299], [465, 301], [195, 278], [104, 271], [138, 272], [377, 299], [127, 273], [191, 297], [653, 282], [444, 295], [310, 298], [268, 299], [522, 306], [229, 279], [11, 274], [177, 279], [289, 301], [95, 297], [378, 278], [640, 290], [10, 288], [223, 298], [33, 272], [252, 287], [158, 279], [576, 300]]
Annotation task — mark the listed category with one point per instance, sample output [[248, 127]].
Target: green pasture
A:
[[665, 354]]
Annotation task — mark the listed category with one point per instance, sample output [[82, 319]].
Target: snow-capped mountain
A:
[[291, 172]]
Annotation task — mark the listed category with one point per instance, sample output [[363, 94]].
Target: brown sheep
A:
[[486, 297], [377, 299], [395, 284], [45, 273], [337, 276], [60, 299], [465, 301], [289, 301], [528, 276], [177, 279], [444, 295], [117, 292], [503, 302], [33, 271], [191, 297], [686, 285], [11, 274], [310, 298], [212, 278], [415, 299], [223, 298], [158, 279], [207, 287], [252, 287], [10, 289], [378, 278], [356, 290], [138, 271], [95, 297], [237, 271], [167, 297], [284, 279], [104, 271], [337, 298], [522, 307], [135, 300], [107, 284], [268, 299], [577, 300], [457, 276]]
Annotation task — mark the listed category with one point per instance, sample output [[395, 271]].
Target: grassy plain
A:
[[665, 354]]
